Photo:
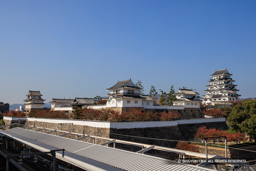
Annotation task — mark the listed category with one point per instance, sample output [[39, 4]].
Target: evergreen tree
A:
[[171, 96], [139, 84], [243, 118], [163, 98], [77, 113], [153, 93]]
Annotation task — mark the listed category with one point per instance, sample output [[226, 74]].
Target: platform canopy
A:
[[90, 156]]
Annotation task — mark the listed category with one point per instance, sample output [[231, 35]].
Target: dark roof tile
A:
[[125, 83]]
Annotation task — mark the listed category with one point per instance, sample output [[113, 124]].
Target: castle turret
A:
[[34, 101]]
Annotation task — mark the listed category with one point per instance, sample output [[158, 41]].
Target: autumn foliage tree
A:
[[215, 113], [203, 133], [101, 102], [48, 114], [129, 115], [91, 114], [187, 146], [15, 114], [171, 115]]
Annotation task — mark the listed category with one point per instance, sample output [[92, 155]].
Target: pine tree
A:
[[171, 96], [163, 98], [153, 93], [139, 84], [243, 118]]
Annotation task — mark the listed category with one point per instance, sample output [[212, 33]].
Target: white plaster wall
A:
[[132, 103], [119, 103], [147, 105], [112, 103], [192, 105], [34, 106], [97, 107], [122, 125], [62, 109], [166, 107]]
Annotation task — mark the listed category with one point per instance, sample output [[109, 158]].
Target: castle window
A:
[[128, 101], [130, 91], [136, 101], [148, 103]]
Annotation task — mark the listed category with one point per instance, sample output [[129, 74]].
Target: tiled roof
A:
[[187, 99], [125, 83], [219, 72], [216, 96], [34, 93], [147, 98], [186, 91], [54, 100], [83, 101]]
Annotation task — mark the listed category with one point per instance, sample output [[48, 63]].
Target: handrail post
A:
[[225, 147], [206, 150]]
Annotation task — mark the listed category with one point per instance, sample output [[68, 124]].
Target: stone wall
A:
[[130, 131], [179, 132], [133, 131], [69, 127]]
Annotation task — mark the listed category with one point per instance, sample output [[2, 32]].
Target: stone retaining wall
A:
[[171, 130]]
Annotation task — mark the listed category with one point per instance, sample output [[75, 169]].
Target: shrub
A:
[[187, 146], [102, 102], [169, 116], [215, 112], [202, 133], [15, 114], [48, 114]]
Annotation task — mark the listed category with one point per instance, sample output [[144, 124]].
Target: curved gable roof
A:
[[125, 83]]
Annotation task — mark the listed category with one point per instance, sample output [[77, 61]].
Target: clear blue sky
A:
[[79, 48]]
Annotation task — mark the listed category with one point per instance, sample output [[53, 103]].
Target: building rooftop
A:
[[34, 93], [217, 96], [83, 101], [122, 84], [220, 72], [35, 96], [187, 91], [55, 100]]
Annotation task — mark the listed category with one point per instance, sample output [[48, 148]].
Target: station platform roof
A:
[[90, 156]]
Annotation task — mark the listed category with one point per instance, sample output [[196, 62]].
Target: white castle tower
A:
[[221, 90], [34, 101]]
